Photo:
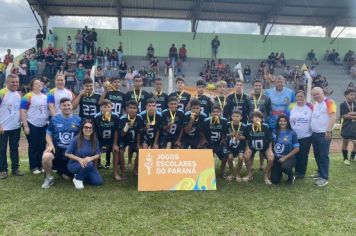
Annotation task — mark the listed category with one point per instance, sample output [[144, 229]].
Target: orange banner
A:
[[176, 169]]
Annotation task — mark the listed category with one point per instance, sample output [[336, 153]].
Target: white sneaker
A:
[[36, 172], [78, 183], [48, 182]]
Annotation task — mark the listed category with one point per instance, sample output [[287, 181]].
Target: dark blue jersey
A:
[[151, 124], [197, 125], [215, 133]]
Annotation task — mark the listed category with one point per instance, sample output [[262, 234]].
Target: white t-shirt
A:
[[320, 116], [9, 109], [37, 108], [55, 95], [300, 119]]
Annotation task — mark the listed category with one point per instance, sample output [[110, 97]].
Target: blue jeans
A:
[[12, 137], [301, 161], [36, 145], [88, 174], [321, 148]]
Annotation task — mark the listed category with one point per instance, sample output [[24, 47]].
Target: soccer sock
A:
[[344, 154], [353, 155], [107, 158]]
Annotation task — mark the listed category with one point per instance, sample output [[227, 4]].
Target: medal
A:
[[257, 102], [157, 94], [258, 128], [173, 117], [215, 120], [153, 122], [132, 121], [222, 105], [137, 98], [235, 132], [238, 101], [108, 85], [194, 116], [107, 116]]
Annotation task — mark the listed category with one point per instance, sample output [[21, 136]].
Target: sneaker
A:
[[291, 180], [347, 162], [78, 183], [3, 175], [321, 182], [315, 176], [268, 181], [17, 173], [107, 166], [36, 172], [48, 182]]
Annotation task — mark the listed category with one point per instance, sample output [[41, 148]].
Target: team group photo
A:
[[173, 132]]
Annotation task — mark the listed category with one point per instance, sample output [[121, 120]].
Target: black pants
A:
[[279, 168], [12, 137], [36, 145], [301, 158]]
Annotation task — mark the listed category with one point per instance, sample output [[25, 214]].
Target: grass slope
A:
[[235, 209]]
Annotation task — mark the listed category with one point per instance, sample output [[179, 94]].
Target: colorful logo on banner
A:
[[176, 169]]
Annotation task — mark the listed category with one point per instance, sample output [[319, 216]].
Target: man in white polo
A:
[[322, 122], [10, 101]]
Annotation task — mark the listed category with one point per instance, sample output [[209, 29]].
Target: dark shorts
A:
[[220, 151], [133, 146], [164, 139], [60, 162], [190, 142], [263, 151], [236, 151]]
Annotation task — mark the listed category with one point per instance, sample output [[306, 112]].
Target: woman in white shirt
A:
[[34, 117], [300, 118]]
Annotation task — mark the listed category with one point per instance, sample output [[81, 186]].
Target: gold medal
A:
[[149, 122], [258, 128], [257, 102], [107, 116], [132, 121], [222, 105], [137, 98], [215, 120], [173, 117], [235, 132]]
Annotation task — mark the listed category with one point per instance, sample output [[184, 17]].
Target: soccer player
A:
[[281, 97], [130, 130], [348, 124], [61, 130], [221, 99], [138, 94], [106, 126], [56, 94], [259, 139], [152, 121], [239, 101], [205, 102], [193, 123], [182, 96], [160, 97], [215, 131], [87, 100], [34, 117], [172, 125], [10, 101], [114, 95], [236, 144], [258, 101]]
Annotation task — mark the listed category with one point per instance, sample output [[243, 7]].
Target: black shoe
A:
[[17, 173], [107, 166], [290, 181]]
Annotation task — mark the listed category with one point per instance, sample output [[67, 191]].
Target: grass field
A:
[[234, 209]]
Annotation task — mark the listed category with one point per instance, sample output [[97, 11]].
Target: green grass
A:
[[234, 209]]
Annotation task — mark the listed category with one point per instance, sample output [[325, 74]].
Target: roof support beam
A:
[[119, 15], [329, 30], [262, 26], [195, 14], [44, 17]]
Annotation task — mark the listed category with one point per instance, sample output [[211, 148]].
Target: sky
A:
[[19, 26]]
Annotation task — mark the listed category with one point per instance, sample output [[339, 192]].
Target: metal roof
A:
[[292, 12]]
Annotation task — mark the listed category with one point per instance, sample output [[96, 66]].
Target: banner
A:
[[176, 169]]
